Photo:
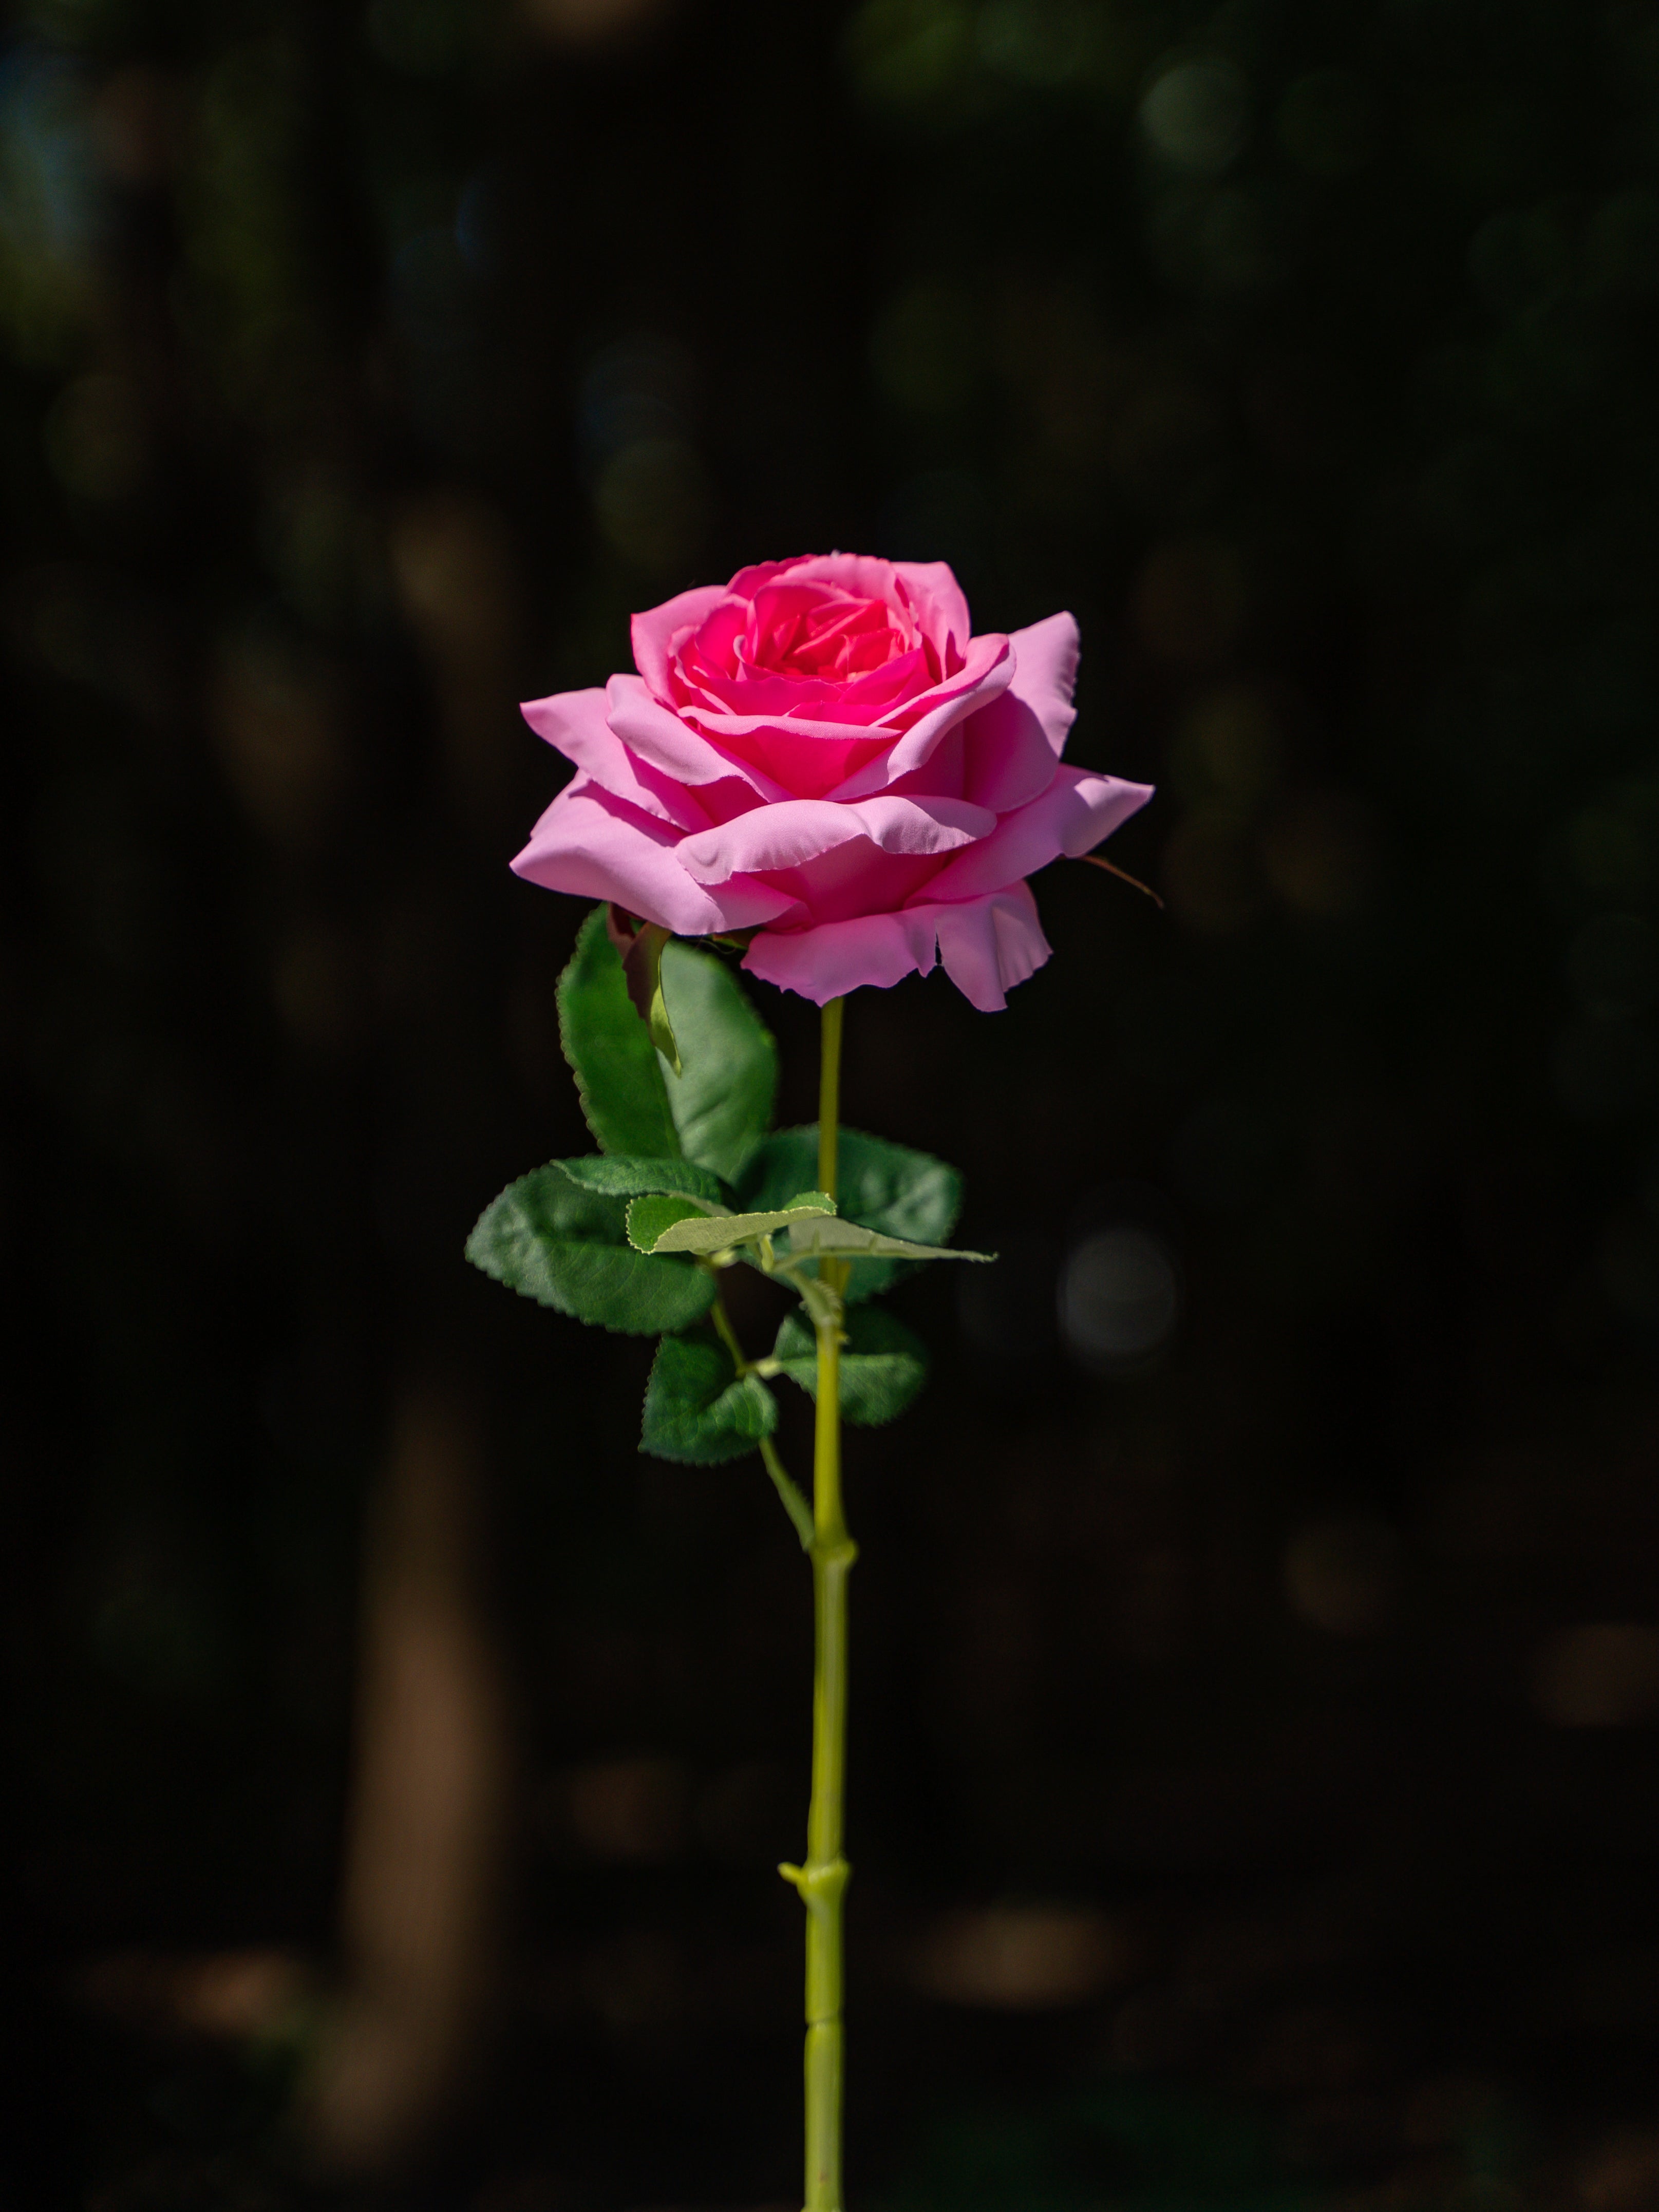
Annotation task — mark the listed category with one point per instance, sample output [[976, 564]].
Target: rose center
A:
[[819, 640]]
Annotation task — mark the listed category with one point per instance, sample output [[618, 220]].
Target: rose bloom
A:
[[822, 752]]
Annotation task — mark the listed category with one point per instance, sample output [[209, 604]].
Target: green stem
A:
[[829, 1096], [822, 1881], [799, 1512]]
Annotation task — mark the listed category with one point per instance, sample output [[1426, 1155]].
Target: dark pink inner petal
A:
[[789, 696], [773, 669]]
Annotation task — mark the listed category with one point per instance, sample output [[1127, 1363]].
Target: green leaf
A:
[[697, 1408], [567, 1248], [619, 1076], [885, 1186], [722, 1099], [626, 1178], [821, 1235], [648, 1218], [723, 1232], [883, 1364]]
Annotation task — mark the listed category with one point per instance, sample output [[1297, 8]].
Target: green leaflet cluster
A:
[[691, 1179]]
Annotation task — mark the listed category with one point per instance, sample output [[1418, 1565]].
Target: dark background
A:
[[1254, 1792]]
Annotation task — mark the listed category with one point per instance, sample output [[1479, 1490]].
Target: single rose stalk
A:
[[822, 1881], [821, 764]]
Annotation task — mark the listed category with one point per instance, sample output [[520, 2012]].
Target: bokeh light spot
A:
[[1342, 1574], [652, 501], [1604, 1675], [1120, 1297], [1319, 853], [1229, 748], [1021, 1959], [909, 52], [1039, 42], [1196, 115]]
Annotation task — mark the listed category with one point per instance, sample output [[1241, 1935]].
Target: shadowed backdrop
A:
[[1256, 1634]]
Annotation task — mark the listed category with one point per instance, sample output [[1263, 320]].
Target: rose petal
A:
[[1071, 816], [575, 722], [653, 633], [987, 945], [838, 956], [940, 605], [1015, 740], [599, 846], [660, 736], [986, 671], [800, 830]]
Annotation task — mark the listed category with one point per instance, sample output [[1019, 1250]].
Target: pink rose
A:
[[821, 750]]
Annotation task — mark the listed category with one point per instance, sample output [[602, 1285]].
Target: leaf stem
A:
[[822, 1881], [726, 1333], [794, 1505], [799, 1512]]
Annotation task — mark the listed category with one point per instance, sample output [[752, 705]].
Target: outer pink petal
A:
[[660, 736], [1071, 816], [941, 607], [801, 830], [654, 631], [576, 722], [989, 945], [598, 847], [1014, 742], [838, 956], [988, 671]]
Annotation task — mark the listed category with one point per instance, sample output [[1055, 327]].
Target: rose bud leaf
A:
[[550, 1239], [883, 1364], [698, 1409]]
